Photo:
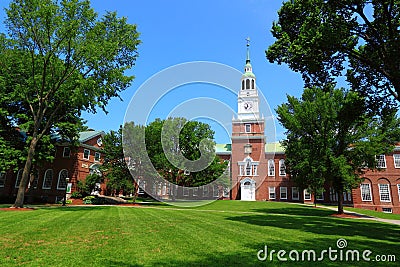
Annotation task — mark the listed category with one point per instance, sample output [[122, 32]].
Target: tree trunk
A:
[[340, 202], [19, 201]]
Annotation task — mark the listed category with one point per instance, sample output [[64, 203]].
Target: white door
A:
[[248, 191]]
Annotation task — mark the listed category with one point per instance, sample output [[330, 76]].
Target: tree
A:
[[183, 152], [63, 60], [333, 138], [114, 168], [323, 38]]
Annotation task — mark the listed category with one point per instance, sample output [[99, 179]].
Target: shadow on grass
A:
[[319, 221], [247, 256], [297, 210]]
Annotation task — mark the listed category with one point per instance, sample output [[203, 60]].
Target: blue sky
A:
[[178, 31]]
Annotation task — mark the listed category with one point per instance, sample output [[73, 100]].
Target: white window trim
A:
[[305, 192], [88, 158], [271, 162], [97, 153], [245, 128], [388, 191], [394, 161], [319, 197], [58, 180], [280, 166], [17, 181], [398, 190], [69, 154], [215, 191], [271, 189], [363, 186], [281, 191], [384, 161], [185, 192], [205, 191], [298, 193], [44, 179]]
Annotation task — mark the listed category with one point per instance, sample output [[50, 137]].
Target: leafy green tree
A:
[[114, 167], [87, 186], [332, 137], [323, 38], [183, 152], [63, 60]]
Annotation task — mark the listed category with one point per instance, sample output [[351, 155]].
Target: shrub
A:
[[76, 194]]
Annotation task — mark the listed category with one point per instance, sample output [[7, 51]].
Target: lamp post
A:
[[65, 194]]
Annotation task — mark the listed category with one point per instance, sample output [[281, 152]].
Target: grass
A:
[[376, 214], [223, 233]]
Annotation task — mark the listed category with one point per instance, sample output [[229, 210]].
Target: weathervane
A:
[[248, 41]]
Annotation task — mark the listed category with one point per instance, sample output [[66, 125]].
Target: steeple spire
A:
[[248, 50]]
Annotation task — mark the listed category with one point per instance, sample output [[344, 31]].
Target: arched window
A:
[[282, 168], [19, 176], [242, 84], [47, 179], [247, 84], [62, 183], [34, 179], [252, 84], [271, 167], [248, 166]]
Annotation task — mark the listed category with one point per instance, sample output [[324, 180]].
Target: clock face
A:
[[248, 105]]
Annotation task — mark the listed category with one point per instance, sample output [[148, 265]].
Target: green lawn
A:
[[224, 233]]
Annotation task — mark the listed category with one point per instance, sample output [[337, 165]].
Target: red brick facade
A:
[[47, 183]]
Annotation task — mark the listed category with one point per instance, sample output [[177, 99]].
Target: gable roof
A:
[[87, 135]]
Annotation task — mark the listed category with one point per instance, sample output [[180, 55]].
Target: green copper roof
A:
[[84, 136], [275, 147], [248, 74], [223, 148]]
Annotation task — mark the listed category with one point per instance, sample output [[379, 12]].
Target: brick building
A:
[[258, 168], [49, 182]]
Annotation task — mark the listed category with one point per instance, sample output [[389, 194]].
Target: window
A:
[[366, 192], [252, 84], [66, 152], [247, 84], [195, 192], [34, 179], [398, 190], [86, 153], [271, 190], [48, 179], [387, 210], [271, 168], [248, 167], [216, 191], [243, 85], [247, 128], [283, 192], [164, 189], [319, 196], [205, 191], [2, 179], [19, 176], [381, 161], [384, 192], [396, 159], [295, 193], [282, 168], [97, 156], [185, 191], [62, 182], [332, 194], [307, 195]]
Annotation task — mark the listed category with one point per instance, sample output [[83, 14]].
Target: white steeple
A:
[[248, 101]]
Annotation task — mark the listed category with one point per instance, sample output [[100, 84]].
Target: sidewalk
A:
[[363, 216]]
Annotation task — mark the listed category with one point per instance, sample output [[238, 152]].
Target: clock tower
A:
[[248, 139]]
